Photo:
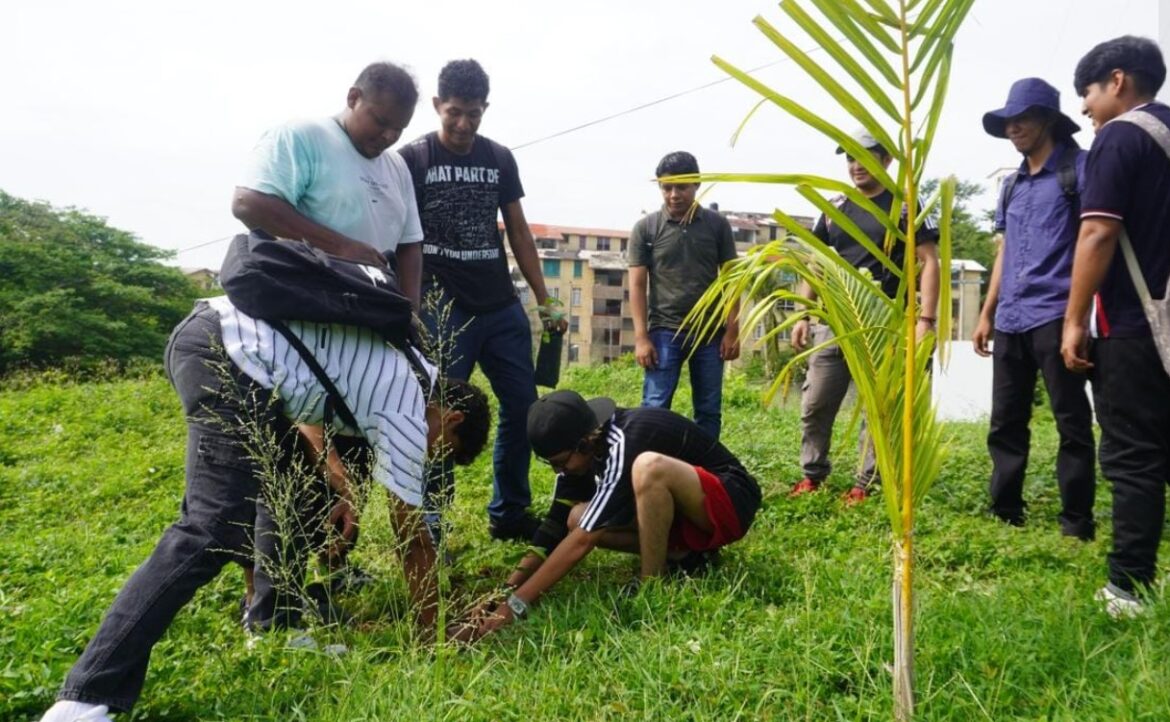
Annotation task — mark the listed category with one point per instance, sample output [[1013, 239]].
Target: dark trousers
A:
[[1017, 357], [1131, 392], [215, 519], [501, 343]]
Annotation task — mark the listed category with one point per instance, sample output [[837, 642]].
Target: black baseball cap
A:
[[559, 420]]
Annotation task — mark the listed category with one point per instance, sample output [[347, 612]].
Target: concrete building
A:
[[586, 269]]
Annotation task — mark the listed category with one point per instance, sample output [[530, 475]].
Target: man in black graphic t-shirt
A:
[[828, 379], [463, 181]]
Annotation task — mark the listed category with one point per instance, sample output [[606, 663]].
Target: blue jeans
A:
[[215, 520], [706, 367], [501, 343]]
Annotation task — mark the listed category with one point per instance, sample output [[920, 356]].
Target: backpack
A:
[[1066, 175], [288, 280], [285, 280]]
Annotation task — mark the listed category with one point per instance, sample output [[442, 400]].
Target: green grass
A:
[[795, 624]]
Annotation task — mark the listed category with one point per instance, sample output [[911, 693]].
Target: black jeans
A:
[[215, 519], [1017, 358], [1131, 392]]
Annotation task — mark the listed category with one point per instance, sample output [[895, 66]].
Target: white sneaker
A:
[[68, 710], [1119, 603]]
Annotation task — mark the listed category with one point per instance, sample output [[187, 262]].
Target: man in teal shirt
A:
[[333, 183]]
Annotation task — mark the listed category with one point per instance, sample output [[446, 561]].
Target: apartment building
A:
[[586, 269]]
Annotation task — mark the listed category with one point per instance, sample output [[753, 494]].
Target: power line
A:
[[643, 106], [203, 245]]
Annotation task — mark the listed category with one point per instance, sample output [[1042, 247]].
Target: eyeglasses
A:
[[557, 466]]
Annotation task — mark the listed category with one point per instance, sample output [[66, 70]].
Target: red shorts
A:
[[725, 524]]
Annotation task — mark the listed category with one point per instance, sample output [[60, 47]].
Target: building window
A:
[[581, 243], [574, 324], [625, 244], [603, 243], [524, 295], [578, 269], [551, 267], [575, 297], [554, 292], [547, 243], [574, 352]]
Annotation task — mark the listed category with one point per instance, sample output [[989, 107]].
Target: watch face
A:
[[517, 605]]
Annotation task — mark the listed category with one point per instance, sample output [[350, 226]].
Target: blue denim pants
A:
[[706, 368], [501, 343], [215, 519]]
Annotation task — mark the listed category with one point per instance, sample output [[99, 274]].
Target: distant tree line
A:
[[74, 290]]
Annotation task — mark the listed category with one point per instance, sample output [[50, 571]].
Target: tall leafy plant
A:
[[893, 65]]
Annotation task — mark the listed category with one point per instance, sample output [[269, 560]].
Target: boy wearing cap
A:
[[675, 255], [644, 480], [828, 379], [1127, 191], [1038, 215]]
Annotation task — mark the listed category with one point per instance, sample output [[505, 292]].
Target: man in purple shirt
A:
[[1127, 189], [1038, 217]]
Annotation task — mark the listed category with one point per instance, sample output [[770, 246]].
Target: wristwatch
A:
[[518, 606]]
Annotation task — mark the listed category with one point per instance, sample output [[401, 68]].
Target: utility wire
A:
[[643, 106]]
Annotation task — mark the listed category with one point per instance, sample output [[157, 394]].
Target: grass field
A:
[[794, 625]]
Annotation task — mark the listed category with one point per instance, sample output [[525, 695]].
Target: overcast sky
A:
[[143, 112]]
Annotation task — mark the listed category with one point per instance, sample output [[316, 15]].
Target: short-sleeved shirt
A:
[[1127, 178], [682, 259], [459, 199], [837, 238], [313, 165], [375, 380], [1040, 235], [608, 488]]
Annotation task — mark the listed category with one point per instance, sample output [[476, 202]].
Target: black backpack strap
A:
[[1066, 174], [1009, 187], [333, 399]]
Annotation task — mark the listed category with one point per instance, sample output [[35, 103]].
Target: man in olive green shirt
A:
[[675, 254]]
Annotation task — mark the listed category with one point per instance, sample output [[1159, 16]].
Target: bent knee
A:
[[649, 469], [575, 514]]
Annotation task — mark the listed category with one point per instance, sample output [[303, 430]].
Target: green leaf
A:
[[845, 223], [744, 122], [844, 59], [830, 9], [844, 98], [857, 14], [852, 147]]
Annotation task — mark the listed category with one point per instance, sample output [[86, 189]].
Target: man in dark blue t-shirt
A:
[[463, 181], [1127, 190], [1038, 215], [828, 377]]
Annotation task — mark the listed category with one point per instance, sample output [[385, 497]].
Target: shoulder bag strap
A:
[[1160, 134], [333, 397]]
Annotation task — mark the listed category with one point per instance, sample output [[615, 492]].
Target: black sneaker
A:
[[519, 529], [349, 578], [693, 564]]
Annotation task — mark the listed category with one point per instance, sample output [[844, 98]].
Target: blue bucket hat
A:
[[1024, 95]]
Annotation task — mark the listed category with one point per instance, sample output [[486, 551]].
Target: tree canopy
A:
[[76, 288]]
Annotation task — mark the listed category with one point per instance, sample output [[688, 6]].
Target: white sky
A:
[[143, 112]]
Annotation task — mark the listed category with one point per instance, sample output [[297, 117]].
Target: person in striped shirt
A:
[[647, 481], [238, 380]]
